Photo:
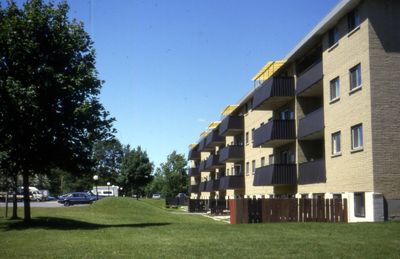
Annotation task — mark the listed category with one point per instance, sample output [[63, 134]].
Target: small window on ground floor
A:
[[359, 204]]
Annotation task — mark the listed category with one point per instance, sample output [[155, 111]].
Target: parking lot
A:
[[44, 204]]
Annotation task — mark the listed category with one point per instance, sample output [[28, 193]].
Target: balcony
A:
[[194, 154], [212, 185], [231, 182], [307, 81], [311, 127], [193, 188], [202, 186], [203, 147], [231, 126], [273, 93], [275, 133], [312, 172], [194, 171], [214, 139], [202, 166], [213, 162], [231, 154], [279, 174]]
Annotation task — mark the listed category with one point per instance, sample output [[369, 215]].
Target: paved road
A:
[[45, 204]]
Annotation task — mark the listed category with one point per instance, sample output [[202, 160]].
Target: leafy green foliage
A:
[[108, 155], [50, 115], [135, 171], [171, 177]]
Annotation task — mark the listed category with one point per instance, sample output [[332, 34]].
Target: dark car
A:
[[76, 198]]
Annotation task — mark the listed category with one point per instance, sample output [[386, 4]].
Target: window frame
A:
[[253, 167], [262, 161], [359, 209], [333, 36], [247, 168], [360, 137], [334, 151], [353, 20], [247, 137], [355, 75], [334, 83]]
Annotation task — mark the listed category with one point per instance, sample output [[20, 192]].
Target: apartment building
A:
[[322, 123]]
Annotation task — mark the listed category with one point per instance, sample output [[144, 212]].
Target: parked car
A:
[[156, 196], [76, 198]]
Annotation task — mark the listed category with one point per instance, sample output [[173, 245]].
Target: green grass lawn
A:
[[124, 227]]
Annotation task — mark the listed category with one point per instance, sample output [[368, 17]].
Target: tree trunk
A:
[[27, 205], [15, 202]]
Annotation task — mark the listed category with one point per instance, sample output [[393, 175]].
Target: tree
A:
[[135, 172], [50, 115], [175, 175], [108, 156]]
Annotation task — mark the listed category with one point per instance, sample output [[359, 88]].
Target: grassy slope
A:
[[128, 228]]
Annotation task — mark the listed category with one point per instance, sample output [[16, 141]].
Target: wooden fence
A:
[[287, 210]]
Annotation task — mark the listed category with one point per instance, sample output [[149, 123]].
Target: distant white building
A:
[[106, 191]]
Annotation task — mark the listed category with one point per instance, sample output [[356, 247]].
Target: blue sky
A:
[[170, 67]]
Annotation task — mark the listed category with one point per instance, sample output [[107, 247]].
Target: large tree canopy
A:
[[108, 156], [50, 115]]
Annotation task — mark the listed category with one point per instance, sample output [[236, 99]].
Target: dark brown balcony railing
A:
[[231, 182], [212, 185], [194, 171], [214, 139], [274, 133], [309, 78], [202, 186], [193, 188], [273, 93], [202, 165], [312, 125], [231, 154], [213, 162], [278, 174], [194, 154], [312, 172], [231, 126]]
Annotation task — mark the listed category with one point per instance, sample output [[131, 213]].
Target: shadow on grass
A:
[[70, 224]]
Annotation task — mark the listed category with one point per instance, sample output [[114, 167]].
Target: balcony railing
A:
[[273, 93], [202, 145], [194, 154], [212, 185], [193, 188], [231, 126], [213, 139], [202, 165], [312, 125], [231, 182], [312, 172], [231, 154], [194, 171], [278, 174], [213, 162], [309, 78], [274, 133], [202, 186]]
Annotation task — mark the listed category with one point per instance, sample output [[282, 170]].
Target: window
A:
[[286, 115], [359, 204], [238, 170], [247, 168], [333, 36], [335, 88], [253, 166], [252, 135], [227, 171], [262, 161], [356, 137], [355, 77], [336, 143], [271, 159], [247, 138], [353, 20]]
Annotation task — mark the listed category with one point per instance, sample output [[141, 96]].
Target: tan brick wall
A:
[[384, 42], [253, 119], [351, 171]]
